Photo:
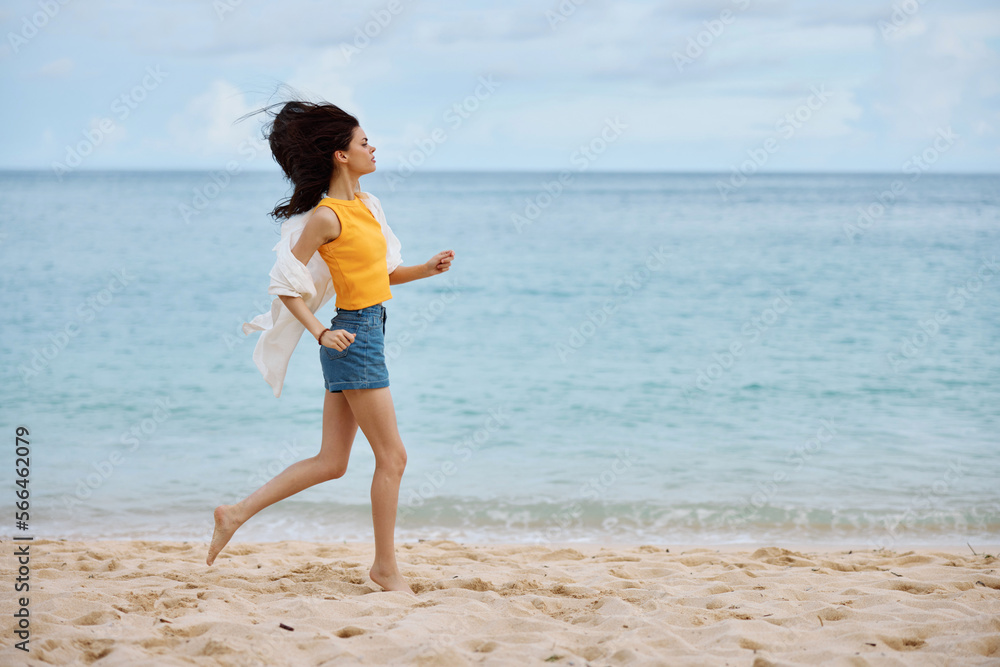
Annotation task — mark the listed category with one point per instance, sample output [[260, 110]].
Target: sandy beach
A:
[[300, 603]]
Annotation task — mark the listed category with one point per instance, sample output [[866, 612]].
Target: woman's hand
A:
[[439, 263], [338, 339]]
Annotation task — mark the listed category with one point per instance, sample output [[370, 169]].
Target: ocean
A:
[[653, 358]]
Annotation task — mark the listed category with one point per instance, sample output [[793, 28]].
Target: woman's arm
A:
[[322, 227], [439, 263]]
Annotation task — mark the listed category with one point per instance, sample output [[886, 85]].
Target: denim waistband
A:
[[372, 314]]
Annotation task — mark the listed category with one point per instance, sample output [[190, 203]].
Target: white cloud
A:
[[556, 85], [207, 126], [57, 68], [327, 76], [937, 77]]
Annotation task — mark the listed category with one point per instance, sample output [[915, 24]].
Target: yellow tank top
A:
[[357, 257]]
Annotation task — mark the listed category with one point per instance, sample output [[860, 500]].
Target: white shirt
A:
[[311, 281]]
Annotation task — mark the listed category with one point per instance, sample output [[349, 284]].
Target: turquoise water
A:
[[621, 358]]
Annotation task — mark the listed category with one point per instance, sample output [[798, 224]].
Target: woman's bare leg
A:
[[339, 430], [375, 413]]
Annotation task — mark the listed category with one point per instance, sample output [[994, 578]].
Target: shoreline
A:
[[730, 547], [126, 602]]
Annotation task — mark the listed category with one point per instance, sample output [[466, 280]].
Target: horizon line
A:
[[801, 172]]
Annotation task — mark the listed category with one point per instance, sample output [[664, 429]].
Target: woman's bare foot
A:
[[390, 580], [226, 523]]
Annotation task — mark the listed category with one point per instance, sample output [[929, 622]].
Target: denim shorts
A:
[[362, 364]]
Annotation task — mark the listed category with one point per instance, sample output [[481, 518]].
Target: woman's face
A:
[[360, 154]]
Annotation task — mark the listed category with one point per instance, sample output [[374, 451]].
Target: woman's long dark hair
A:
[[303, 137]]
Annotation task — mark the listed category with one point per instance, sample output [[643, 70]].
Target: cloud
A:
[[474, 27], [57, 68], [943, 74], [327, 76], [207, 125], [557, 81]]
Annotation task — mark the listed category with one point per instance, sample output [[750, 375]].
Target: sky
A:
[[855, 85]]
